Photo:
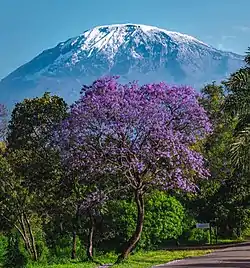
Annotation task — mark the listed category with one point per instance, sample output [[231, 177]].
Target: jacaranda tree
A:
[[141, 136]]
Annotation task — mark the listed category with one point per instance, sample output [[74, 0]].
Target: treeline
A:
[[126, 167]]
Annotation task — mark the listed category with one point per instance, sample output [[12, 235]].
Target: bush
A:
[[61, 251], [199, 236], [3, 247], [14, 257], [164, 217]]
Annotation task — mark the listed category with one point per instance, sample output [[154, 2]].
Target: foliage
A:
[[163, 220], [14, 257], [27, 158], [3, 113], [33, 120], [2, 147], [164, 216], [238, 104], [30, 128], [12, 196], [221, 198], [63, 249], [204, 204], [199, 236], [3, 246], [17, 208]]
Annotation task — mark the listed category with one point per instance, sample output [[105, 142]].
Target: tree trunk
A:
[[73, 252], [33, 243], [139, 225], [23, 227], [74, 236], [23, 221], [24, 239], [90, 238]]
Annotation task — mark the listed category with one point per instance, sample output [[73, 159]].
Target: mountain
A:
[[135, 52]]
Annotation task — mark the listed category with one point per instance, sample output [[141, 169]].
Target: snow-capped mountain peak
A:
[[132, 51]]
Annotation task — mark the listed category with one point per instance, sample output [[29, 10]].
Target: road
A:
[[234, 257]]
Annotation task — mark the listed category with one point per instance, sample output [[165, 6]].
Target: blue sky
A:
[[27, 27]]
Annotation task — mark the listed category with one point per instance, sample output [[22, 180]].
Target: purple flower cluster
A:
[[143, 133]]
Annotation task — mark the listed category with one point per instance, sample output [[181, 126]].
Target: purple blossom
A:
[[144, 134]]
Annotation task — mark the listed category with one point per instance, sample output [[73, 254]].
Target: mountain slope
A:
[[140, 52]]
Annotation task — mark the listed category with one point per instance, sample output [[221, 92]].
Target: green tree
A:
[[30, 130], [30, 155], [16, 206], [238, 104], [215, 200]]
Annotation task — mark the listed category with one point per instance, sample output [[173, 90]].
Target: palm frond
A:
[[240, 151], [247, 57], [238, 100], [243, 121], [238, 80]]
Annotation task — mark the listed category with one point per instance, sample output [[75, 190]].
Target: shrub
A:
[[60, 252], [163, 219], [164, 216], [199, 236], [3, 247], [14, 257]]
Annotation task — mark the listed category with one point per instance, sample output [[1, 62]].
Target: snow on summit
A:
[[110, 37], [124, 29]]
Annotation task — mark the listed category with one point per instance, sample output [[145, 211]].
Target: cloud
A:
[[221, 42], [208, 37], [224, 41], [226, 37], [242, 28], [220, 46]]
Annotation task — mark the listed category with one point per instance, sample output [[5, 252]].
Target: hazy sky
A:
[[27, 27]]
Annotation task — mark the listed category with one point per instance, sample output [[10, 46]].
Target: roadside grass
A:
[[142, 259], [66, 265], [138, 260], [227, 241], [151, 258]]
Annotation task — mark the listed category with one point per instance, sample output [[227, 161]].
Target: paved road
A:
[[234, 257]]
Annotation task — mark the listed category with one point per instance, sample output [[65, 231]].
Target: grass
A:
[[227, 241], [138, 260], [68, 265]]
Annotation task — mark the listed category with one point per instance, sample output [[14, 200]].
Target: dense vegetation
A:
[[126, 167]]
